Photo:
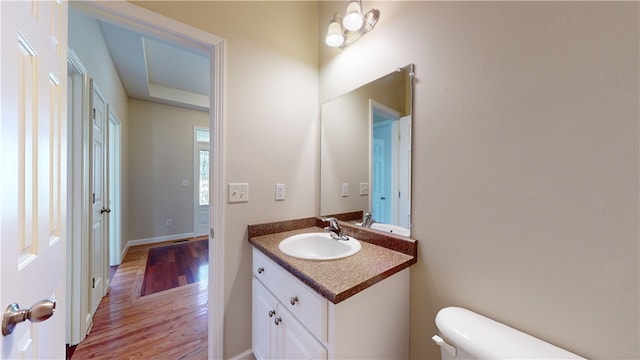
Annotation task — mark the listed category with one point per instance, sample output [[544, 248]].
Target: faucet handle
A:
[[333, 222]]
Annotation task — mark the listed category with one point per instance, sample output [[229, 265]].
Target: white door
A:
[[33, 127], [99, 211]]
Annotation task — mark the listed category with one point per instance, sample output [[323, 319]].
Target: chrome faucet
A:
[[367, 221], [334, 229]]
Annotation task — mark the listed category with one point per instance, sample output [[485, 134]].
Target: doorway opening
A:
[[390, 169], [144, 21]]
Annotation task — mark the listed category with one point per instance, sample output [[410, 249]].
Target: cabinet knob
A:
[[271, 313], [293, 300], [278, 320], [260, 270]]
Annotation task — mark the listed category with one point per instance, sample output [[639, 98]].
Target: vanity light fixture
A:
[[344, 31]]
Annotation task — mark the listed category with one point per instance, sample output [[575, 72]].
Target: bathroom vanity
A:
[[355, 307]]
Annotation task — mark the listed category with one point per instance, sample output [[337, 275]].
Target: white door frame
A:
[[140, 19], [78, 315], [114, 184]]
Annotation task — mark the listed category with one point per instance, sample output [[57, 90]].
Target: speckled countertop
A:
[[338, 279]]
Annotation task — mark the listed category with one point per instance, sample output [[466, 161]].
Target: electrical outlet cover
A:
[[280, 192]]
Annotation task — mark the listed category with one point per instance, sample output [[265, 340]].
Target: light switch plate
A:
[[345, 189], [238, 192]]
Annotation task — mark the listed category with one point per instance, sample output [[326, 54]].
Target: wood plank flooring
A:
[[176, 265], [170, 324]]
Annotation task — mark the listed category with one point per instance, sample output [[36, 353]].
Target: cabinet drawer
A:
[[303, 302]]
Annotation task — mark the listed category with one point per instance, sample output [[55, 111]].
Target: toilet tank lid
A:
[[482, 337]]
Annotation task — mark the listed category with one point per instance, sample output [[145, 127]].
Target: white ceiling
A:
[[158, 70]]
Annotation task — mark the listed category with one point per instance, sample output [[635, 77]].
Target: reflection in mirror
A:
[[365, 153]]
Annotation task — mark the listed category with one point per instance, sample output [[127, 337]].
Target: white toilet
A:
[[467, 335]]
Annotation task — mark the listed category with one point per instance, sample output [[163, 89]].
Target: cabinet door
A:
[[264, 337], [296, 341]]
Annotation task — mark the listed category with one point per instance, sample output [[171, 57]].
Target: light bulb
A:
[[353, 19], [334, 35]]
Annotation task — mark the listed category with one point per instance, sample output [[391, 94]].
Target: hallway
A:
[[170, 324]]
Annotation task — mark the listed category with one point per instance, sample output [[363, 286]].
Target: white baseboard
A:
[[247, 355], [154, 240], [123, 253]]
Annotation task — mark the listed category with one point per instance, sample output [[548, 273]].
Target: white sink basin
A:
[[318, 246], [390, 228]]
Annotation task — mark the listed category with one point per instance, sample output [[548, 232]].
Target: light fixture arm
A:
[[370, 20]]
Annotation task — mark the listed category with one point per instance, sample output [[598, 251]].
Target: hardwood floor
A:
[[170, 324]]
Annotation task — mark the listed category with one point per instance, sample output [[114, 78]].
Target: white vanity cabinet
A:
[[277, 334], [292, 321]]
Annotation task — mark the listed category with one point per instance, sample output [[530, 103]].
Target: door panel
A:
[[33, 167], [297, 341], [264, 334], [99, 199]]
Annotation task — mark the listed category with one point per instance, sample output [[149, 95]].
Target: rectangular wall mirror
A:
[[365, 153]]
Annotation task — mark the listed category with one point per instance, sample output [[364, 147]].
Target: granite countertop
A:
[[337, 279]]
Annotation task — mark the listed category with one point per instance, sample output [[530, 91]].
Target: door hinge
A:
[[93, 195], [211, 233], [93, 285], [94, 113]]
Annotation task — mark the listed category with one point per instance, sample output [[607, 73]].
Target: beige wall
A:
[[161, 156], [525, 176], [270, 128]]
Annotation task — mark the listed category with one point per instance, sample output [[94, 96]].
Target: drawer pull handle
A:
[[278, 320], [260, 270], [293, 300], [271, 313]]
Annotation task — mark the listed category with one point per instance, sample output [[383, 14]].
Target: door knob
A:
[[13, 315], [105, 210]]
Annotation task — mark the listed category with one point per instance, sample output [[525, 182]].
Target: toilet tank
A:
[[467, 335]]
